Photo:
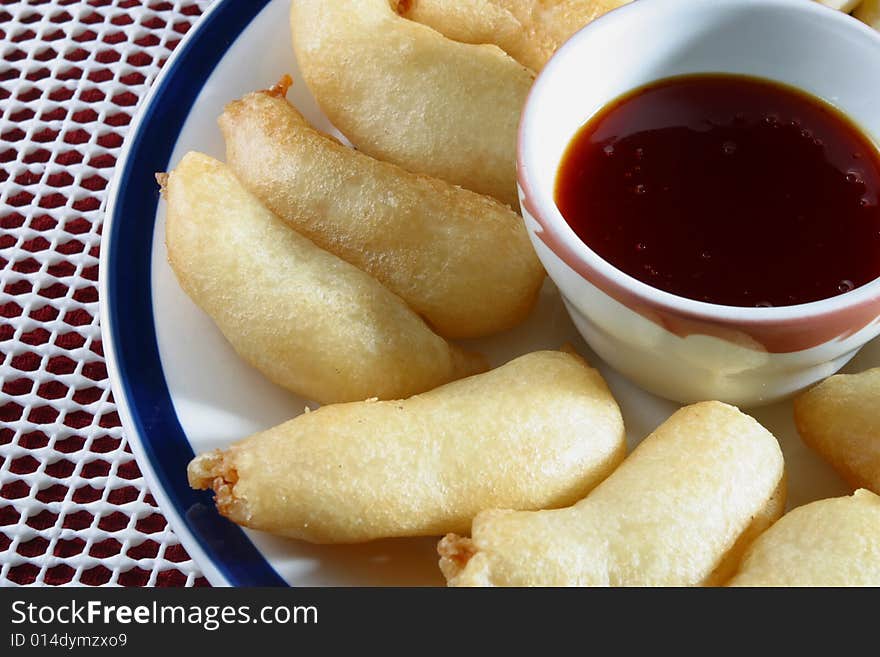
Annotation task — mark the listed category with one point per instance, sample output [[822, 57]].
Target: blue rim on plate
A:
[[222, 549]]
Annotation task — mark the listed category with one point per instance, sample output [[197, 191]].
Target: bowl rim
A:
[[539, 202]]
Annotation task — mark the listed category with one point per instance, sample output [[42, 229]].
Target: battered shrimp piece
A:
[[845, 6], [538, 432], [840, 420], [530, 31], [678, 512], [832, 542], [404, 93], [309, 321], [461, 260], [868, 12]]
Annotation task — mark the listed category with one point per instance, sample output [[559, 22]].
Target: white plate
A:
[[181, 388]]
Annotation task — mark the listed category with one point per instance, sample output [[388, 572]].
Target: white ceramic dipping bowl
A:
[[679, 348]]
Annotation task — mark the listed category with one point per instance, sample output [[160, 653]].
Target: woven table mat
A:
[[74, 509]]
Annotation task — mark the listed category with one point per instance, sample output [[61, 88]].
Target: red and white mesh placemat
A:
[[74, 508]]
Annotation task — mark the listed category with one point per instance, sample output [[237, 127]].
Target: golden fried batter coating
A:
[[832, 542], [404, 93], [461, 260], [309, 321], [530, 31], [678, 512], [840, 419], [538, 432]]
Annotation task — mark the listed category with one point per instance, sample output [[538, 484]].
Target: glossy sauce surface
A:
[[727, 189]]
